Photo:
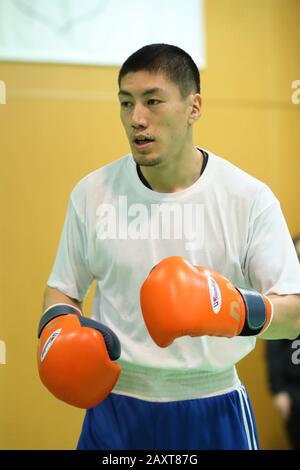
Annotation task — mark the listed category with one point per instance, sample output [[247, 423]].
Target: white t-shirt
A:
[[117, 229]]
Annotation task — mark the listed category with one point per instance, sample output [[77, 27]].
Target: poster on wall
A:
[[97, 32]]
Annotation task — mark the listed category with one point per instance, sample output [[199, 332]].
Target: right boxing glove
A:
[[75, 356], [179, 299]]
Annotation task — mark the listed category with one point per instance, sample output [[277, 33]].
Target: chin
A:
[[146, 161]]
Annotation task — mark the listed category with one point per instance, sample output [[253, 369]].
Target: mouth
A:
[[142, 142]]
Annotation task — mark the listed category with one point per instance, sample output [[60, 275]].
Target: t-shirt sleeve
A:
[[70, 273], [271, 262]]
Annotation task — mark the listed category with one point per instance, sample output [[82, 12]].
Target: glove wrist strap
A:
[[256, 312], [55, 311]]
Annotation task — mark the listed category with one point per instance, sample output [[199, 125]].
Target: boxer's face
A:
[[155, 117]]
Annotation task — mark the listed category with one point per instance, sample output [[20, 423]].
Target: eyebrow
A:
[[150, 91]]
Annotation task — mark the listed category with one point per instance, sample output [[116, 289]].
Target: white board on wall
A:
[[99, 32]]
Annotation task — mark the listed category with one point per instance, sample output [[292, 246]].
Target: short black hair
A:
[[175, 63]]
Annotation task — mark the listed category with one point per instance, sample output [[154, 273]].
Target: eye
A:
[[154, 101], [126, 104]]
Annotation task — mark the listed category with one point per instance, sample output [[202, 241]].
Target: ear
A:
[[195, 108]]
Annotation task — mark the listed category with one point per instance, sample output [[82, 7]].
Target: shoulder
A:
[[101, 175], [91, 186], [232, 174], [240, 185]]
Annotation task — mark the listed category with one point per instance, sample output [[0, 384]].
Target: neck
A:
[[178, 173]]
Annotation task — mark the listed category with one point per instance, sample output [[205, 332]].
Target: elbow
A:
[[295, 332]]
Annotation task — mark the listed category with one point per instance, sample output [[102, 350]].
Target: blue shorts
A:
[[214, 423]]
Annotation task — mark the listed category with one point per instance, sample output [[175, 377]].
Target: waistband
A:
[[159, 385]]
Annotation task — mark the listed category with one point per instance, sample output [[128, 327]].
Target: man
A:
[[178, 208], [283, 370]]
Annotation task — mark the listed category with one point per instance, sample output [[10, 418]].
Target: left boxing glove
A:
[[75, 356], [179, 299]]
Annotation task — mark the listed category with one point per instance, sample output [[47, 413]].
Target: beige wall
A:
[[61, 122]]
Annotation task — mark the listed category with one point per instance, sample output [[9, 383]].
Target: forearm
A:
[[286, 318], [54, 296]]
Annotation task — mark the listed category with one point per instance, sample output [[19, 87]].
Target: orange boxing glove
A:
[[75, 356], [178, 299]]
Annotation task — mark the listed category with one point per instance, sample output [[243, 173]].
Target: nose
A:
[[138, 117]]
